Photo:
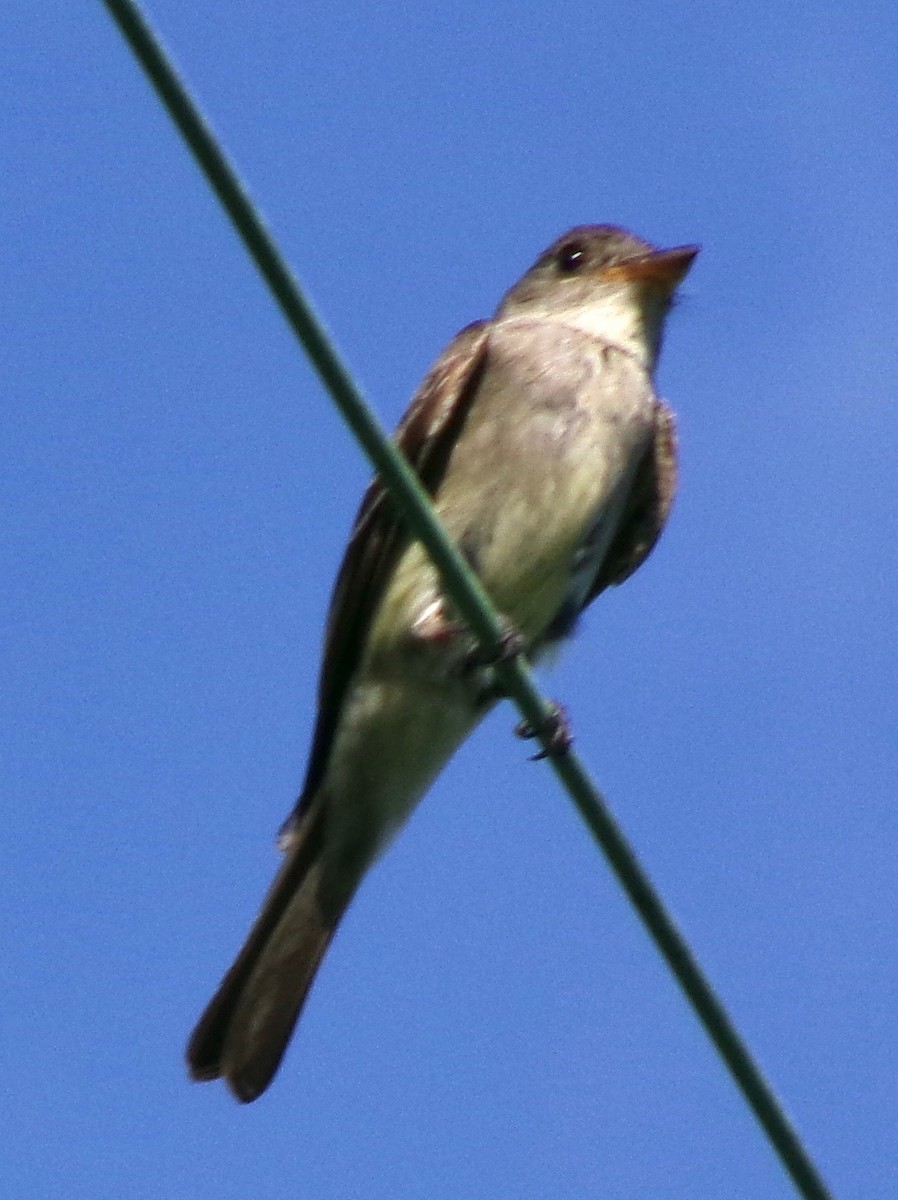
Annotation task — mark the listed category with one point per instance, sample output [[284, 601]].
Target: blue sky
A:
[[492, 1020]]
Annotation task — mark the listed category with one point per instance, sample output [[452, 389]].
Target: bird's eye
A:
[[571, 258]]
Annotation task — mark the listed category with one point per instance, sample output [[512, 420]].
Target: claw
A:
[[509, 646], [556, 729]]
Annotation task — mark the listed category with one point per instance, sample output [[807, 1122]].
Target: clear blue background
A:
[[492, 1021]]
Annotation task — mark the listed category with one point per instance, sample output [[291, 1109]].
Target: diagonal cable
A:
[[469, 597]]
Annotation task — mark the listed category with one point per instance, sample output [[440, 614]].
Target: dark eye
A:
[[571, 257]]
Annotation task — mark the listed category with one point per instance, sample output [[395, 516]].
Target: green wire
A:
[[470, 599]]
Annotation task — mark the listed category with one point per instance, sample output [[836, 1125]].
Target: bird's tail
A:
[[244, 1031]]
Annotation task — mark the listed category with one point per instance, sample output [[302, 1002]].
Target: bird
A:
[[552, 463]]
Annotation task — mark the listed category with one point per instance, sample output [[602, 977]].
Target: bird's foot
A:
[[555, 732], [434, 628], [509, 645]]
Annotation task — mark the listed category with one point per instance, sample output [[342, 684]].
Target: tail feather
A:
[[244, 1031]]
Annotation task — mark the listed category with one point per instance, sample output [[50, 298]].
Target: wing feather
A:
[[426, 436], [648, 507]]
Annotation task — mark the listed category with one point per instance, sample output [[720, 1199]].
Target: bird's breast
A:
[[536, 482]]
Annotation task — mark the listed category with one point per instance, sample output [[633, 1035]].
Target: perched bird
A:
[[552, 464]]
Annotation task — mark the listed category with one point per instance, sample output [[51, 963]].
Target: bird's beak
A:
[[663, 267]]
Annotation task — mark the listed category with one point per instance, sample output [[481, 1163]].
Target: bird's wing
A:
[[647, 507], [426, 436]]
